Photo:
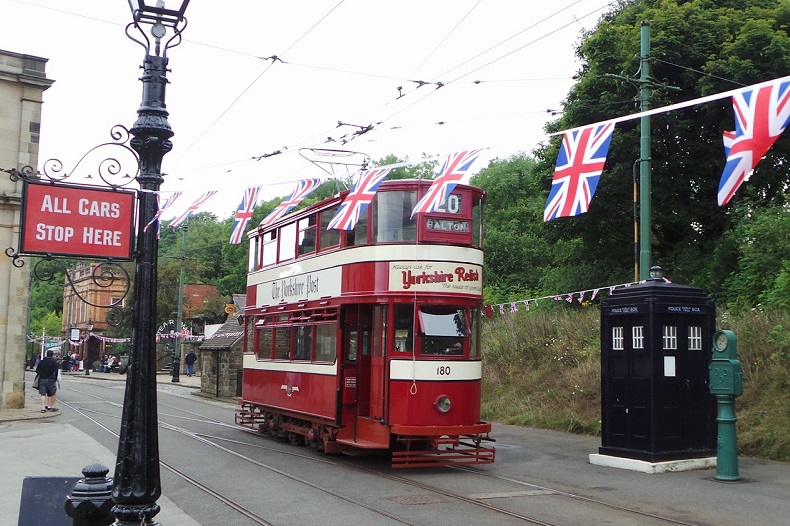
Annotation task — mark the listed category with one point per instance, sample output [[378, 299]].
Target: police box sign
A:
[[71, 220]]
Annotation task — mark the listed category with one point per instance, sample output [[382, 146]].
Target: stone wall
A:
[[22, 82]]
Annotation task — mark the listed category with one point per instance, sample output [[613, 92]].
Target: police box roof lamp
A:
[[656, 273]]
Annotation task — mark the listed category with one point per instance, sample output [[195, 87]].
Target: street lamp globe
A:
[[155, 12]]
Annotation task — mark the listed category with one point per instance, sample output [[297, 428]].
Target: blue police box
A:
[[655, 349]]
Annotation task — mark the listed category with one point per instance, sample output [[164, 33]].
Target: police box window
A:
[[617, 339], [695, 338], [638, 337]]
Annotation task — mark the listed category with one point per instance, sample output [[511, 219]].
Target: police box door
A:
[[654, 384]]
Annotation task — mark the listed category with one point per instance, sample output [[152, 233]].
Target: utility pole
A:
[[643, 226], [645, 161], [179, 342]]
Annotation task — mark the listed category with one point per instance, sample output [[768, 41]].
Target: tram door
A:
[[363, 372], [377, 369], [349, 380]]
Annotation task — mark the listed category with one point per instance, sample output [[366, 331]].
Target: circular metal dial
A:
[[721, 341]]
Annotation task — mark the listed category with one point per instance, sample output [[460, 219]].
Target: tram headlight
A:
[[443, 404]]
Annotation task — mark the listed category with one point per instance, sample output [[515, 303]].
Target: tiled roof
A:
[[230, 332]]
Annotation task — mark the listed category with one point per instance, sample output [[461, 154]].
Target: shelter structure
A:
[[221, 356]]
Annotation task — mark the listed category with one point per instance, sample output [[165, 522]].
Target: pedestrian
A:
[[48, 381], [190, 360]]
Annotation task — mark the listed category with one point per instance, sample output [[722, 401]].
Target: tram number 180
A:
[[443, 370]]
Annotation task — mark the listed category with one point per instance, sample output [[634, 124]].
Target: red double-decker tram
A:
[[368, 339]]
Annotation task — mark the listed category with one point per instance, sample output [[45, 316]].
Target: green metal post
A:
[[645, 208], [727, 447]]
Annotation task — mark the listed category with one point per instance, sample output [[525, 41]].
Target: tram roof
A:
[[393, 184]]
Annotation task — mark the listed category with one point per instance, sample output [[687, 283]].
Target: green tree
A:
[[698, 47], [762, 240]]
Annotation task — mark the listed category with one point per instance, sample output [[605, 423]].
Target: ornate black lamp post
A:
[[136, 485]]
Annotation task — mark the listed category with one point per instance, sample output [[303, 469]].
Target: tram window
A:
[[474, 344], [328, 238], [477, 222], [443, 330], [307, 235], [252, 261], [351, 346], [392, 219], [265, 339], [282, 343], [287, 242], [325, 343], [404, 326], [269, 248], [359, 236], [303, 343]]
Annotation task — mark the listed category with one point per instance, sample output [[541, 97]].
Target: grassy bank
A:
[[542, 369]]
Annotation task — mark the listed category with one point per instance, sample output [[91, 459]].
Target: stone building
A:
[[22, 82], [221, 356]]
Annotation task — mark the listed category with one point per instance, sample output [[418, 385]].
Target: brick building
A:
[[81, 316]]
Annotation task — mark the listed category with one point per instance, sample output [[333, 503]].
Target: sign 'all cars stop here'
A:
[[72, 220]]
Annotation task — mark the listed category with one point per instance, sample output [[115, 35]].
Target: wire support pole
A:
[[645, 162]]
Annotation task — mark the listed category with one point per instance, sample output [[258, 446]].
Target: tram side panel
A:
[[277, 385]]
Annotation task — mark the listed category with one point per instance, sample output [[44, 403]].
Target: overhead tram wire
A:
[[274, 57], [697, 71], [323, 134], [544, 19], [546, 35], [448, 36], [575, 20], [308, 141]]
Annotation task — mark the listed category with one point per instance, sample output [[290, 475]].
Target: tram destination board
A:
[[447, 225]]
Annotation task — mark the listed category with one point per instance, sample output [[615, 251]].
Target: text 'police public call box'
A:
[[655, 350]]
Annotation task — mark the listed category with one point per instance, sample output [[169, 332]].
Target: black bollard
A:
[[90, 502]]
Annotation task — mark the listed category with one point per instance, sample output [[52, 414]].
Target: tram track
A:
[[217, 443]]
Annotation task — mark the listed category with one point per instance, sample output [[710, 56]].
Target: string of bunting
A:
[[580, 296], [81, 341]]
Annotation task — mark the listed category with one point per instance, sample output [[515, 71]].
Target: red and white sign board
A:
[[71, 220]]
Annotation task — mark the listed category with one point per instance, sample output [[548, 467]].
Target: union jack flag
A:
[[358, 199], [160, 210], [302, 190], [244, 213], [761, 115], [579, 165], [194, 206], [453, 169]]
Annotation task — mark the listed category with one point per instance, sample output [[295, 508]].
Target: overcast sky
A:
[[502, 63]]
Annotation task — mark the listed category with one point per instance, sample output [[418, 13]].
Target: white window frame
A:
[[618, 342], [670, 337], [695, 338], [638, 337]]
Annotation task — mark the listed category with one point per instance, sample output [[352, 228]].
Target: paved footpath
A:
[[26, 450]]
